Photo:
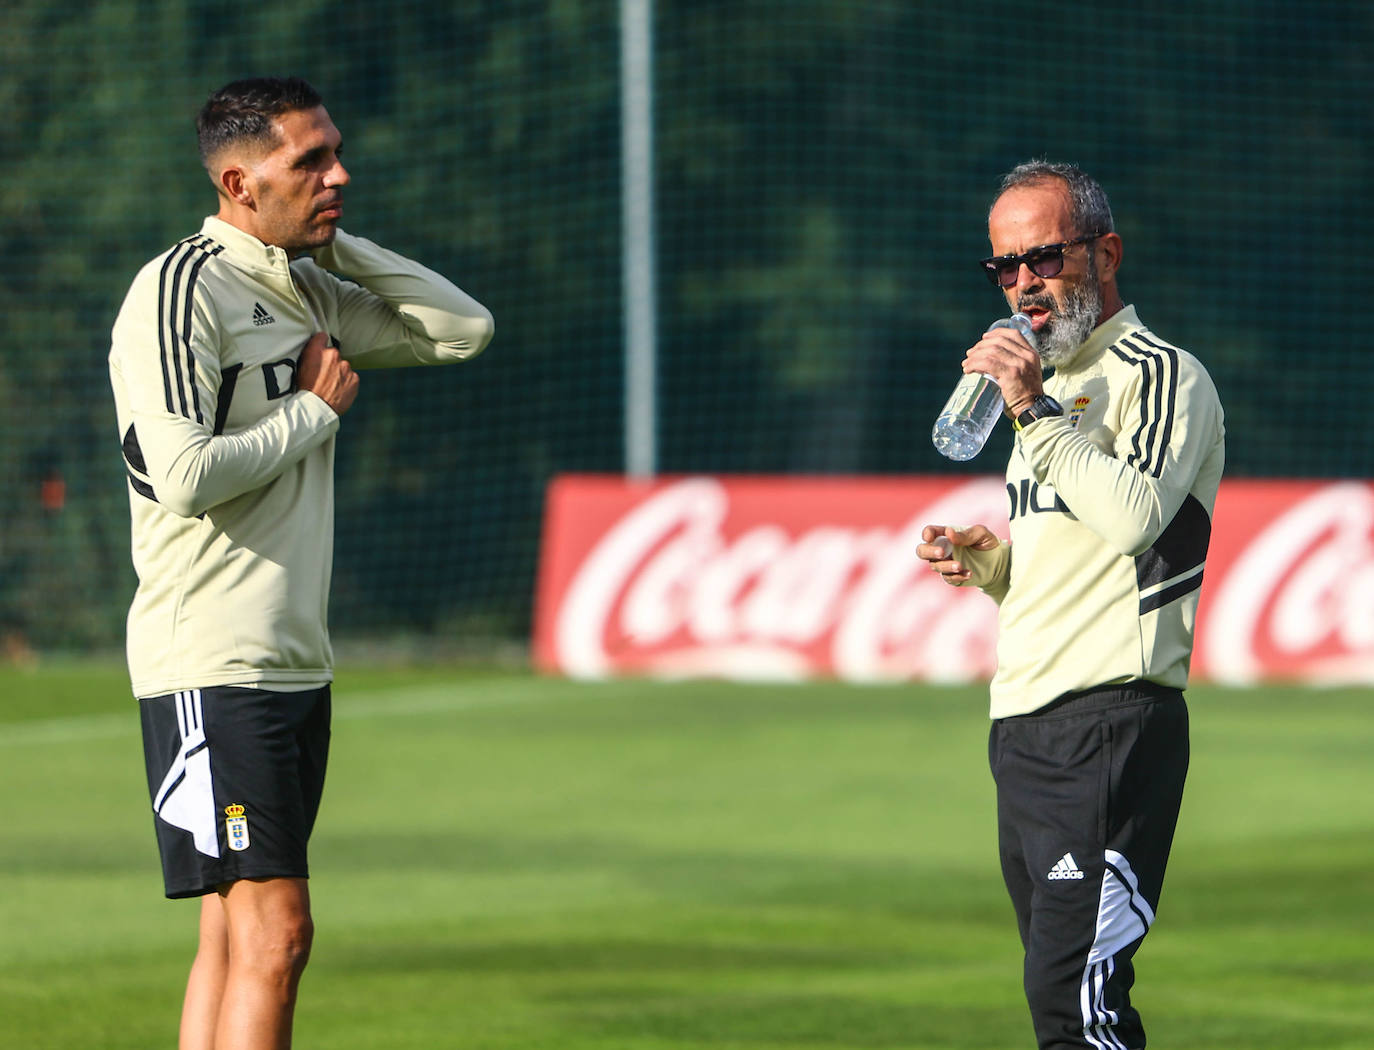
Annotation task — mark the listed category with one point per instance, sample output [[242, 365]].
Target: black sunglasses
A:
[[1044, 261]]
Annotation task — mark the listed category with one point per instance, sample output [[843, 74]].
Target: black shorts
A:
[[235, 777]]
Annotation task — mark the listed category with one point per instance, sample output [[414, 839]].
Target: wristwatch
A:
[[1042, 406]]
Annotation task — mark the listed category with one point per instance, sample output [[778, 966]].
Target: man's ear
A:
[[1109, 251], [236, 183]]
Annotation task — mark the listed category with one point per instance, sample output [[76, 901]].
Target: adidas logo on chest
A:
[[261, 316]]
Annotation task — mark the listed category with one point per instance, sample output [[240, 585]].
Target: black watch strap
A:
[[1042, 406]]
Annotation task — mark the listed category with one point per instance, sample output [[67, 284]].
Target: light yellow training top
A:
[[230, 467], [1111, 510]]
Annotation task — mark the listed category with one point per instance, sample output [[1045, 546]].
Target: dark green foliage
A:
[[824, 169]]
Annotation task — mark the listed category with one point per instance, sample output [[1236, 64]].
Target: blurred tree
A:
[[824, 171]]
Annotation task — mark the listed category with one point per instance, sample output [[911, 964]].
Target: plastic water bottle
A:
[[962, 427]]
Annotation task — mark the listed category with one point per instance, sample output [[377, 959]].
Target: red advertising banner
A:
[[792, 578]]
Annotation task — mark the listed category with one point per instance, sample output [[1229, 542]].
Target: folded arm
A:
[[394, 312]]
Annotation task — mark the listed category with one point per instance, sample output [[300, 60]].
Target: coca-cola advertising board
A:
[[791, 578]]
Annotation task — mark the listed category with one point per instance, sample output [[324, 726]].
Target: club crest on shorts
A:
[[236, 827]]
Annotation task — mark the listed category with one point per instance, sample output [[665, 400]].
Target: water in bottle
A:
[[963, 426]]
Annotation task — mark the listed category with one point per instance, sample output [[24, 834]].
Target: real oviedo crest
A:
[[236, 828]]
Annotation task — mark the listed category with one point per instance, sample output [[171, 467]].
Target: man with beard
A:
[[232, 364], [1112, 478]]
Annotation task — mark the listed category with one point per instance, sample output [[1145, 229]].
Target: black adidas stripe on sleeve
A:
[[176, 303], [1158, 365]]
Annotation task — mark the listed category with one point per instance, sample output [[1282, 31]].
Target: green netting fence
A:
[[822, 172]]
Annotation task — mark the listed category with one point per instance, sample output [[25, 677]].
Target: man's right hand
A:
[[941, 549], [325, 373]]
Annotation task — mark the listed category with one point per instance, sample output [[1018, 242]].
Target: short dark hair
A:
[[1088, 206], [243, 111]]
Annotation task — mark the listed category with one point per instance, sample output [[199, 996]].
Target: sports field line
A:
[[431, 698]]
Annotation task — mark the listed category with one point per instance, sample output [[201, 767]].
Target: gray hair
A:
[[1088, 205]]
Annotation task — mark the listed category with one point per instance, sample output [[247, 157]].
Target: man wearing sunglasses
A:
[[1112, 478]]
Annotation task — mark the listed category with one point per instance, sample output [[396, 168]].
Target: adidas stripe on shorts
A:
[[1088, 795], [235, 776]]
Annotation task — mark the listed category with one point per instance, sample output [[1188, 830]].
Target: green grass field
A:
[[507, 862]]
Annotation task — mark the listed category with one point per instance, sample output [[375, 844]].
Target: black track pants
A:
[[1088, 794]]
